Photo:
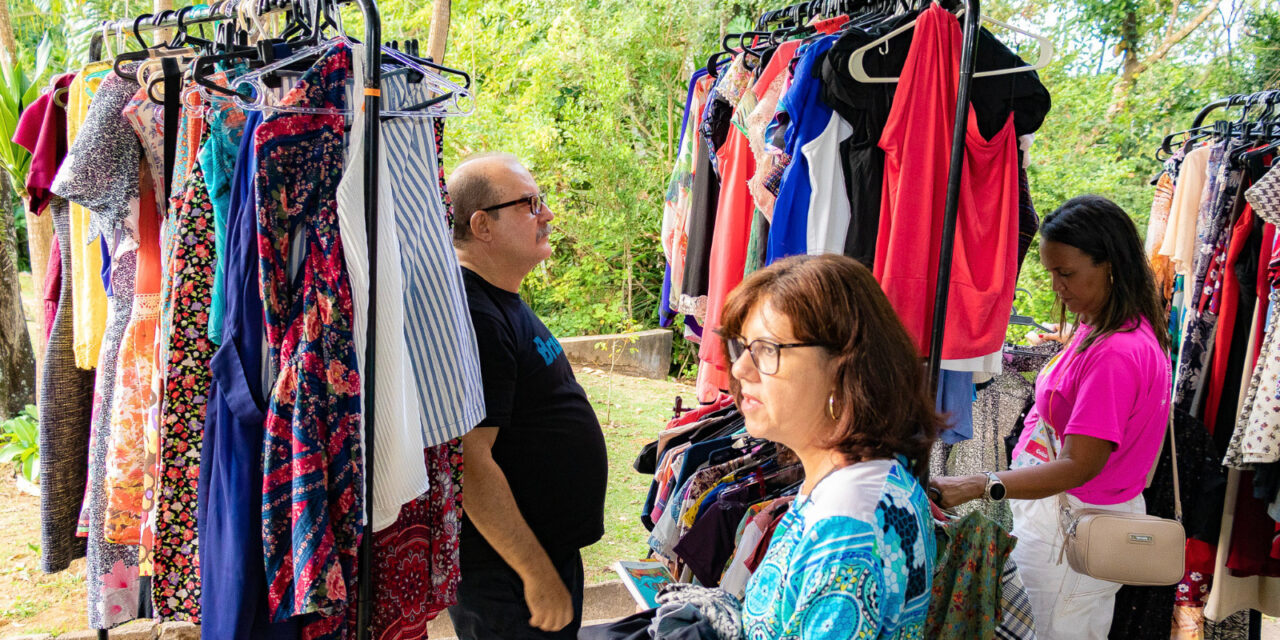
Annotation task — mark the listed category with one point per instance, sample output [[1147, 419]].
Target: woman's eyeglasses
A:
[[765, 354]]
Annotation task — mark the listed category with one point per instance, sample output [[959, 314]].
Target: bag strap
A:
[[1173, 455]]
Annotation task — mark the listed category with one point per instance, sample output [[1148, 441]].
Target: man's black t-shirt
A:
[[549, 444]]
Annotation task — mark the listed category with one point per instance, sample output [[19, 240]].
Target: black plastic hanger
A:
[[133, 56]]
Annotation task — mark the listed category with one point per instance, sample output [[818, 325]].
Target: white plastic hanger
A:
[[859, 74]]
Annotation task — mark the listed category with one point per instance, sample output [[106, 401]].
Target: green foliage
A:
[[590, 95], [1262, 44], [20, 444], [17, 90], [1080, 149]]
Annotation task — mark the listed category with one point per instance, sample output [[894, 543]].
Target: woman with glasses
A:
[[822, 365]]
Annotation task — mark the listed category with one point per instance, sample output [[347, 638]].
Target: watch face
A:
[[997, 491]]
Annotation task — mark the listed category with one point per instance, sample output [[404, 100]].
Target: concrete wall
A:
[[645, 354]]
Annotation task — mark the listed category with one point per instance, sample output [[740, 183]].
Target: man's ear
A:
[[481, 225]]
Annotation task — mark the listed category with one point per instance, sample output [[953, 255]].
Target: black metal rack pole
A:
[[968, 52], [372, 138], [372, 94]]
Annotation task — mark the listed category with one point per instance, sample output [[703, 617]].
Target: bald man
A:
[[535, 469]]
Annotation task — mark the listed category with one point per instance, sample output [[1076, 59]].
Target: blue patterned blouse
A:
[[853, 560]]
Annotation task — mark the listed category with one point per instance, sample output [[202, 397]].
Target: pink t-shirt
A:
[[1116, 390]]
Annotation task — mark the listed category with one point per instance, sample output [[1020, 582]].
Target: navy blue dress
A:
[[234, 593]]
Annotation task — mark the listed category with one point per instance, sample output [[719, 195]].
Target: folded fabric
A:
[[719, 607]]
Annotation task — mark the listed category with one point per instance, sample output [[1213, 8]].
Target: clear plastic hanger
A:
[[452, 95], [1046, 53], [449, 93]]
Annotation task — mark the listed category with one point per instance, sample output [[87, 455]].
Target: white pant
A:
[[1067, 605]]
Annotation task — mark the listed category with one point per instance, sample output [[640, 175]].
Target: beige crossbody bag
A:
[[1129, 548]]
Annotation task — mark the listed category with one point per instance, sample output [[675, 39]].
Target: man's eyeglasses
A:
[[534, 201], [765, 354]]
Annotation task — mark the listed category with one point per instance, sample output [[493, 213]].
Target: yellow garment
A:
[[690, 515], [89, 296]]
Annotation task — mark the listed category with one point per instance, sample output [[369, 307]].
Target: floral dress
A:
[[185, 383], [134, 397], [312, 501], [416, 559]]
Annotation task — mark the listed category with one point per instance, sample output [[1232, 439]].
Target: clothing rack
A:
[[1230, 101], [973, 14], [799, 12], [372, 93]]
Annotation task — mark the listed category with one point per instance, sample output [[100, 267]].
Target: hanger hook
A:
[[162, 16], [180, 34], [106, 33], [137, 23]]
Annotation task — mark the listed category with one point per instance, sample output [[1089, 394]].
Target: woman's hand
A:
[[1059, 334], [949, 491]]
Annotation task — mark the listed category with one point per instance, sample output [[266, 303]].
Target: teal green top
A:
[[217, 159]]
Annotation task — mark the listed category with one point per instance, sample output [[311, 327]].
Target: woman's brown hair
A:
[[881, 399]]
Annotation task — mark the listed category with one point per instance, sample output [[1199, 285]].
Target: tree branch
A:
[[1181, 34]]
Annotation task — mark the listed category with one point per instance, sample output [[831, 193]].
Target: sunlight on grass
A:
[[637, 409]]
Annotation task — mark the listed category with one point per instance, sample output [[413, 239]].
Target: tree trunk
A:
[[6, 31], [17, 363], [39, 246], [1132, 67], [1135, 65], [163, 35], [439, 34]]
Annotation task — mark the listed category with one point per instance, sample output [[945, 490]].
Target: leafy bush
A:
[[20, 443]]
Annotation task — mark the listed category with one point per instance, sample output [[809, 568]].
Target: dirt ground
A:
[[31, 601]]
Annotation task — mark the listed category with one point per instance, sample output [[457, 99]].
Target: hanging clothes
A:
[[135, 397], [678, 203], [1158, 222], [769, 159], [437, 323], [111, 569], [233, 577], [1178, 244], [713, 130], [416, 559], [42, 131], [312, 499], [1211, 231], [803, 117], [733, 217], [1256, 438], [186, 378], [398, 464], [217, 158], [916, 174], [101, 174], [86, 257], [64, 425]]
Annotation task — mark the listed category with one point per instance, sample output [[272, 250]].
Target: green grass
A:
[[631, 412]]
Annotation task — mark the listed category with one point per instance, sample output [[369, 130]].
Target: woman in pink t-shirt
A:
[[1101, 410]]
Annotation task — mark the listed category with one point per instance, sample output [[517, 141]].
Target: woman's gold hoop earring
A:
[[831, 407]]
